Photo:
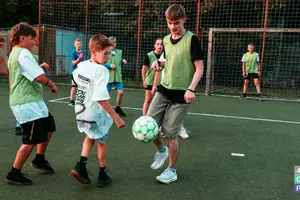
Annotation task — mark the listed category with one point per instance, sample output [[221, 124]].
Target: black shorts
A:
[[149, 87], [35, 132], [251, 76]]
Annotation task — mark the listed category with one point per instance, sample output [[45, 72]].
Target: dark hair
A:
[[175, 12], [21, 29], [99, 42]]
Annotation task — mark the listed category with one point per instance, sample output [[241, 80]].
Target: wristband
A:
[[158, 63], [193, 91]]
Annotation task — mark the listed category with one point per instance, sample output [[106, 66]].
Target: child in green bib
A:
[[148, 74]]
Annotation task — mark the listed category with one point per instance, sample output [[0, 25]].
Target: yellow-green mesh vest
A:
[[179, 68], [22, 90], [115, 75], [250, 60], [150, 74]]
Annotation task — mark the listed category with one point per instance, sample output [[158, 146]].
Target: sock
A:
[[15, 170], [162, 149], [258, 94], [172, 169], [40, 157], [102, 169], [244, 94], [83, 160]]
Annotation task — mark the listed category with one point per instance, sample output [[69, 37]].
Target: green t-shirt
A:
[[115, 75], [179, 68], [22, 90], [251, 62]]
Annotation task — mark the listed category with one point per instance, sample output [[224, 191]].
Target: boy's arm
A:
[[144, 70], [107, 107], [45, 81], [156, 79], [244, 68], [197, 75]]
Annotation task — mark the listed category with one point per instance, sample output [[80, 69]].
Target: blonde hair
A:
[[175, 12], [99, 42]]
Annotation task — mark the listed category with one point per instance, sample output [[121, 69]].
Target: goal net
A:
[[279, 52]]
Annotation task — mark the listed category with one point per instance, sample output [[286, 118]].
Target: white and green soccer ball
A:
[[145, 129]]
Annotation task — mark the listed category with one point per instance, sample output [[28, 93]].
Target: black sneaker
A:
[[103, 179], [243, 96], [18, 131], [17, 178], [42, 165], [260, 97], [120, 111], [81, 174], [71, 103]]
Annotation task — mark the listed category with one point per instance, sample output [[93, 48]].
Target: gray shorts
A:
[[168, 115]]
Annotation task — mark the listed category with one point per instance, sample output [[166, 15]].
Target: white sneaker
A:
[[160, 158], [183, 133], [167, 176]]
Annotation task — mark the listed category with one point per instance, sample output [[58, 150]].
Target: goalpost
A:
[[279, 52]]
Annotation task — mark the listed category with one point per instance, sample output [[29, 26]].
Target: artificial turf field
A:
[[267, 133]]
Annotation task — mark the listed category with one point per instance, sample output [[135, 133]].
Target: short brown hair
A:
[[21, 29], [77, 40], [99, 42], [175, 12]]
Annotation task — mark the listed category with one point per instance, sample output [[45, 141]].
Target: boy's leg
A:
[[80, 171], [245, 88], [183, 132], [103, 178], [119, 86], [15, 176], [72, 92], [148, 98], [34, 132], [157, 110], [257, 86], [39, 161], [175, 114]]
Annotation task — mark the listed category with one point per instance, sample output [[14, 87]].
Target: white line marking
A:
[[53, 100], [267, 99], [208, 115], [238, 154]]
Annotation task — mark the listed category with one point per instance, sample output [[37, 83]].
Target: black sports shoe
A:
[[120, 111], [243, 96], [42, 165], [81, 174], [18, 131], [17, 178], [71, 103], [103, 179], [260, 97]]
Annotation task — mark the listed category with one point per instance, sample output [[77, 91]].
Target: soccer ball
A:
[[145, 129]]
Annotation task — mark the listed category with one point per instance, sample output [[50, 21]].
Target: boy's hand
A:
[[119, 121], [145, 84], [259, 73], [80, 55], [44, 66], [155, 66], [113, 66], [154, 89], [124, 61], [189, 97], [54, 89]]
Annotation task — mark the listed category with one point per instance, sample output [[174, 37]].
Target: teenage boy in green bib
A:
[[183, 69], [251, 70], [114, 65]]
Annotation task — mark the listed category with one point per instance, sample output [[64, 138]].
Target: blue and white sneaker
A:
[[168, 176], [160, 158]]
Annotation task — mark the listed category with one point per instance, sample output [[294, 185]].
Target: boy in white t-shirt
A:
[[93, 112]]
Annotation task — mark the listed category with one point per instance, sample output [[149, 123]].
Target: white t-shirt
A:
[[34, 110], [91, 80]]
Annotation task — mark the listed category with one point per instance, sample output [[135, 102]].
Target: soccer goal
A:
[[279, 53]]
